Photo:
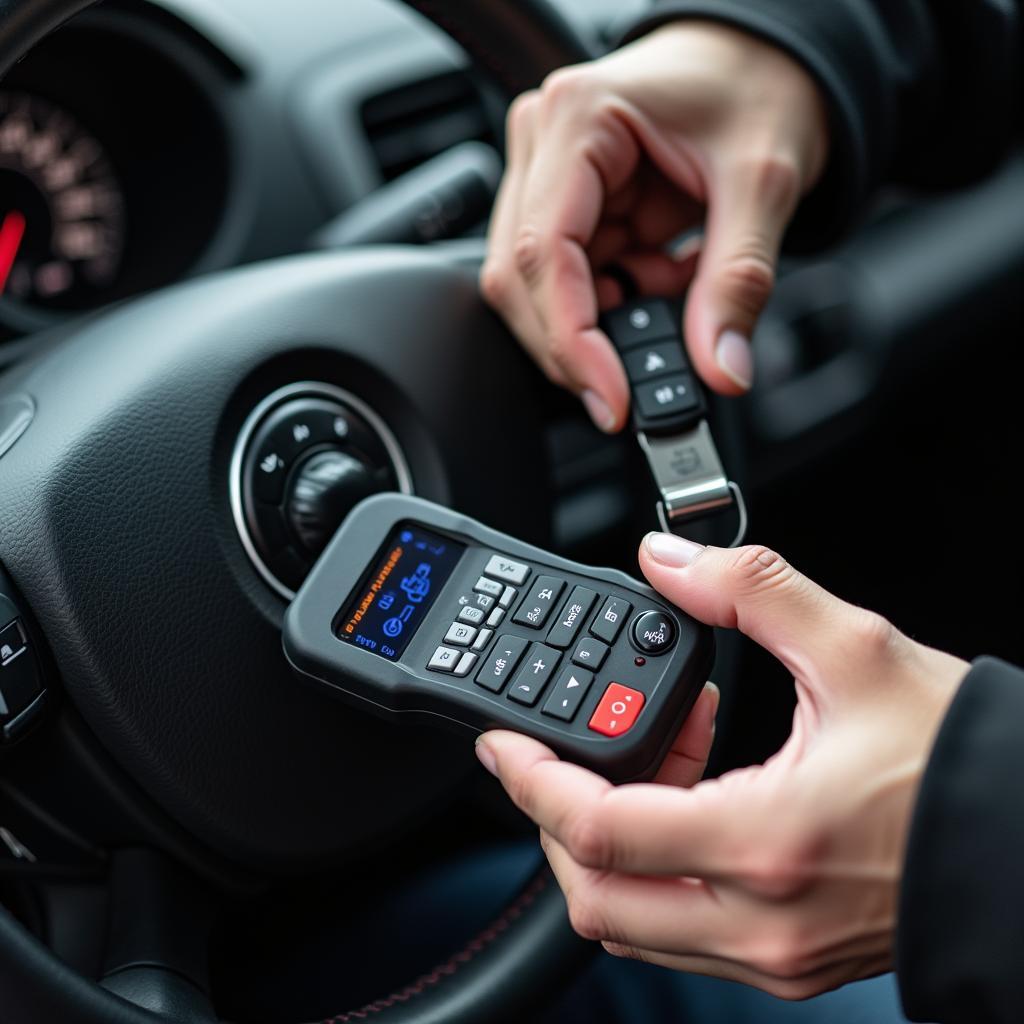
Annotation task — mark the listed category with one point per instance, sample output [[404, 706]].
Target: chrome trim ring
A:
[[303, 389]]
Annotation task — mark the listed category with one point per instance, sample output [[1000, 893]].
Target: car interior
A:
[[216, 213]]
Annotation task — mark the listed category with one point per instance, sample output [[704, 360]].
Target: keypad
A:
[[547, 661], [460, 634], [507, 571], [572, 616], [568, 693], [498, 668], [610, 619], [537, 668], [590, 653], [653, 632], [492, 588], [537, 604], [444, 660]]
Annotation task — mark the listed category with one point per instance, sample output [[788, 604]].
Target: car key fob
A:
[[667, 399], [417, 610], [670, 415]]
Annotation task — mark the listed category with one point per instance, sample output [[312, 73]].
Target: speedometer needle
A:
[[11, 233]]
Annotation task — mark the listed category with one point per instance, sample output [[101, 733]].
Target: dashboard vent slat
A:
[[411, 124]]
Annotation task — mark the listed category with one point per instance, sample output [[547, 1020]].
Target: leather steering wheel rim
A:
[[516, 42]]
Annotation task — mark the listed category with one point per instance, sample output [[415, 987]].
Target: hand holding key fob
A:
[[414, 609]]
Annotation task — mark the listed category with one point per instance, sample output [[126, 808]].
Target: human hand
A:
[[783, 876], [610, 161]]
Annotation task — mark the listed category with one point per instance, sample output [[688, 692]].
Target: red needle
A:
[[11, 233]]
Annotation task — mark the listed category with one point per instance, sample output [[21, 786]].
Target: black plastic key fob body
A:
[[414, 609]]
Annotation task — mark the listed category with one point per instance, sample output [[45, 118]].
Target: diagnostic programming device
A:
[[414, 609]]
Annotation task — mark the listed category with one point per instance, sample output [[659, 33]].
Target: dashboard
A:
[[150, 140]]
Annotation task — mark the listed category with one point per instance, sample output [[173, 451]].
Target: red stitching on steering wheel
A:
[[474, 947]]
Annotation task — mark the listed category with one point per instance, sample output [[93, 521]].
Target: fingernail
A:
[[735, 359], [486, 756], [599, 411], [675, 552]]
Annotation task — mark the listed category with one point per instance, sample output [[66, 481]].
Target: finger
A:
[[552, 260], [758, 592], [667, 914], [644, 829], [499, 281], [783, 985], [751, 203], [562, 203], [684, 766]]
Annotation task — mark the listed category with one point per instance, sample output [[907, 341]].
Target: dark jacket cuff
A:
[[960, 941]]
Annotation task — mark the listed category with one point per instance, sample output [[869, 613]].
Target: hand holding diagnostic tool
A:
[[414, 608]]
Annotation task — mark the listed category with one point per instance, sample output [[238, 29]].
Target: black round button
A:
[[324, 489], [654, 632]]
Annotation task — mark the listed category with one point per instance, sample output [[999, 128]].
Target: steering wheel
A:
[[130, 521]]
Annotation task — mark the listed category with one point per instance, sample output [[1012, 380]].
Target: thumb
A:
[[750, 207], [758, 592]]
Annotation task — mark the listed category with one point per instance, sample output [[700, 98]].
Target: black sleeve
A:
[[919, 91], [960, 941]]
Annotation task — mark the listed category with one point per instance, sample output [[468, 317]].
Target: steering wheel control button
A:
[[504, 569], [617, 711], [465, 665], [21, 690], [574, 613], [590, 653], [654, 632], [12, 643], [537, 604], [653, 361], [568, 693], [638, 323], [508, 595], [492, 588], [670, 396], [269, 475], [502, 662], [611, 619], [483, 638], [444, 660], [471, 614], [460, 634], [533, 675]]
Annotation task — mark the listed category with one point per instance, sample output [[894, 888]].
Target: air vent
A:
[[409, 125]]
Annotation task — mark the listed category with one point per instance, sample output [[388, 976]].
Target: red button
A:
[[617, 711]]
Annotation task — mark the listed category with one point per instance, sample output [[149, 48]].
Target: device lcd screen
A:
[[393, 599]]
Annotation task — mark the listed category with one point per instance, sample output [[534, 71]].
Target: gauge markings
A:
[[59, 181]]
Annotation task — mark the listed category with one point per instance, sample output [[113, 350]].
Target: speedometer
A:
[[62, 231]]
